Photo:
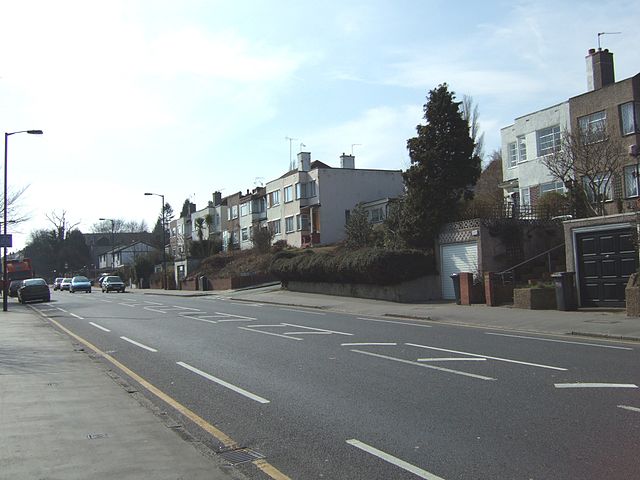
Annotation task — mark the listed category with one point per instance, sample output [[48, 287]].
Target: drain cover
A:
[[95, 436], [240, 455]]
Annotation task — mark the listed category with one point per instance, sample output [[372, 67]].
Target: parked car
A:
[[34, 289], [13, 287], [56, 283], [113, 283], [65, 284], [80, 284]]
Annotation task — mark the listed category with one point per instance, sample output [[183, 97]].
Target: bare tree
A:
[[14, 215], [61, 224], [119, 226], [588, 162]]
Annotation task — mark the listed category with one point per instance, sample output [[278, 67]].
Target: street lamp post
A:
[[164, 241], [5, 276], [113, 246]]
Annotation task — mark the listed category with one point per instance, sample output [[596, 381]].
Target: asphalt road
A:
[[324, 395]]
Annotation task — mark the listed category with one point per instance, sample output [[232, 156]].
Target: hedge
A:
[[367, 265]]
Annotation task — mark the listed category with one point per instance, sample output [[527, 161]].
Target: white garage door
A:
[[459, 257]]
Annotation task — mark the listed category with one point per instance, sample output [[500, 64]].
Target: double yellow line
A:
[[225, 439]]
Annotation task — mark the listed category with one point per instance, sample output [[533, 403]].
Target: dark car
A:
[[13, 287], [56, 283], [34, 289], [65, 284], [80, 284], [112, 283]]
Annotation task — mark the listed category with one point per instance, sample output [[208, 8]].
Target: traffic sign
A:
[[6, 240]]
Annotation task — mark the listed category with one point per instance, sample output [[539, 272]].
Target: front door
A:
[[605, 261]]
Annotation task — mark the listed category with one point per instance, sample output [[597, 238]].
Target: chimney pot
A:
[[600, 71]]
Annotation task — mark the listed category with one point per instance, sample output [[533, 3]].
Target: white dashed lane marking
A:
[[419, 472]]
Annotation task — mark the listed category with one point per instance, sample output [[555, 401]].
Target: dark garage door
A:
[[605, 261]]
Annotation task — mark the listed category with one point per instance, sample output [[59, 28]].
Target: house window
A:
[[273, 198], [517, 151], [258, 205], [288, 224], [631, 180], [377, 215], [630, 117], [601, 189], [302, 222], [245, 234], [274, 226], [306, 190], [593, 127], [244, 209], [548, 140], [234, 211], [512, 150], [525, 197], [288, 193], [522, 149], [551, 187]]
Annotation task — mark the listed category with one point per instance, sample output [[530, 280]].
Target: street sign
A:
[[6, 240]]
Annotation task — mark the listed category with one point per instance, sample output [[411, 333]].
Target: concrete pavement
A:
[[606, 323], [62, 415]]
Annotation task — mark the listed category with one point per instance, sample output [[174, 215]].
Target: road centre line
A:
[[100, 327], [234, 316], [451, 359], [151, 309], [307, 333], [392, 321], [186, 308], [318, 329], [230, 386], [594, 385], [141, 345], [152, 303], [627, 407], [200, 319], [366, 344], [559, 341], [393, 460], [488, 357], [303, 311], [77, 316], [268, 333], [410, 362]]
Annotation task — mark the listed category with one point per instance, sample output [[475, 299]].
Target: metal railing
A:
[[507, 276]]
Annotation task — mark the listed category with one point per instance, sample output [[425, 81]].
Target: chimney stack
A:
[[347, 161], [217, 198], [599, 69], [304, 161]]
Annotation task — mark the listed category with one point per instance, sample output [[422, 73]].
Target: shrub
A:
[[367, 265]]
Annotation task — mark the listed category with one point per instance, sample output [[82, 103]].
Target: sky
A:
[[191, 97]]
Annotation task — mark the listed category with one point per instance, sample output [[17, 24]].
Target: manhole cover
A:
[[240, 455]]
